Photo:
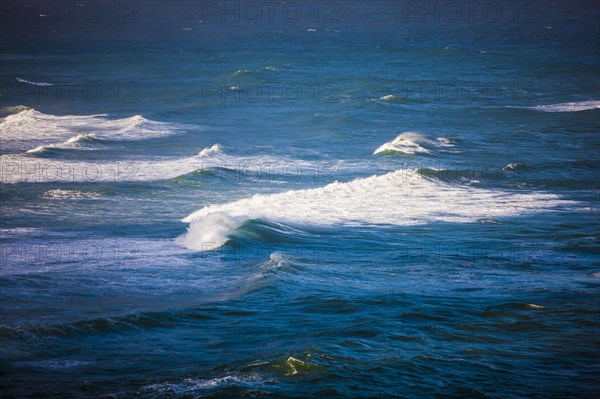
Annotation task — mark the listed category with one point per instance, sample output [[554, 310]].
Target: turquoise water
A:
[[336, 199]]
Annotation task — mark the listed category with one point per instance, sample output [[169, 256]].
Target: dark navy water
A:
[[300, 199]]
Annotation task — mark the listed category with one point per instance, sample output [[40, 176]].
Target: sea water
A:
[[300, 199]]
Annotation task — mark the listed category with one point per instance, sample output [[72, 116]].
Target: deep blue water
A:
[[307, 199]]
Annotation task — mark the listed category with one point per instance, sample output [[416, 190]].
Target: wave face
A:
[[568, 107], [412, 143], [397, 198], [20, 130]]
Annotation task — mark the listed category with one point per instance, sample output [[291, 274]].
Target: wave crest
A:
[[412, 143], [398, 198], [21, 130]]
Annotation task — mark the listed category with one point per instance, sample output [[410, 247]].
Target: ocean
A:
[[292, 199]]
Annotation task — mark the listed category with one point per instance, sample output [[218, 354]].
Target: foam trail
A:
[[568, 107], [397, 198], [412, 143], [34, 83]]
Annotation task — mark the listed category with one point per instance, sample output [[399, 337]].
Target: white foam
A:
[[70, 194], [277, 261], [17, 168], [263, 166], [39, 148], [412, 143], [34, 83], [391, 98], [189, 385], [568, 107], [30, 128], [72, 142], [79, 138], [214, 149], [398, 198], [534, 306]]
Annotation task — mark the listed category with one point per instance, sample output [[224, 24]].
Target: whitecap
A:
[[398, 198], [30, 129], [412, 143], [214, 149], [391, 98], [534, 306], [72, 142]]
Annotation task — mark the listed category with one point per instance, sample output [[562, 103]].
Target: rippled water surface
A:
[[336, 199]]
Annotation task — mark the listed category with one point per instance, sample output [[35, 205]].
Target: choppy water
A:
[[342, 199]]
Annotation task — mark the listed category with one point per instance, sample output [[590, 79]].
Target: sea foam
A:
[[19, 168], [397, 198], [412, 143], [568, 107], [21, 80], [35, 131]]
